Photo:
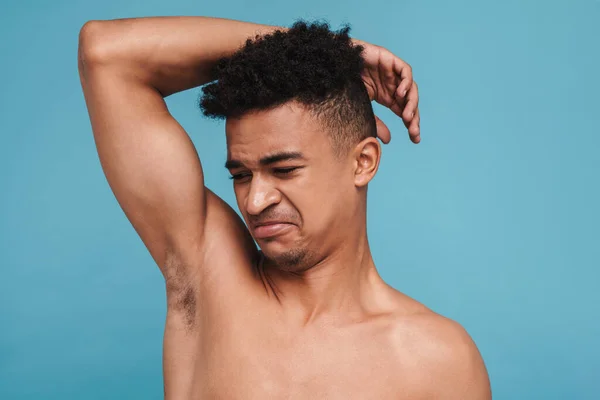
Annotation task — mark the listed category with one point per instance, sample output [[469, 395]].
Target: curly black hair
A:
[[310, 64]]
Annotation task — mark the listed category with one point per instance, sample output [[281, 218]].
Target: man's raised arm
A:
[[126, 68]]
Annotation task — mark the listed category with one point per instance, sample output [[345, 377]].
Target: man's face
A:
[[294, 194]]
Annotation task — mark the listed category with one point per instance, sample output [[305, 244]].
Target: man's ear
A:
[[366, 156]]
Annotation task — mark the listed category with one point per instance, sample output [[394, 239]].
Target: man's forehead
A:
[[261, 137], [285, 121], [268, 146]]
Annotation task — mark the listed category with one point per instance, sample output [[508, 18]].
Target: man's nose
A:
[[261, 196]]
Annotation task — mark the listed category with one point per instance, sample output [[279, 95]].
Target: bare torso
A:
[[244, 343], [270, 360], [254, 354]]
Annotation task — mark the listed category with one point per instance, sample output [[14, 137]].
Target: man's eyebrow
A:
[[230, 164], [270, 159], [283, 156]]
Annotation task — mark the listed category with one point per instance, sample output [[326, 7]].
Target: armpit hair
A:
[[181, 295]]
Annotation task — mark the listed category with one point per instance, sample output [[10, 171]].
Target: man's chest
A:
[[332, 365]]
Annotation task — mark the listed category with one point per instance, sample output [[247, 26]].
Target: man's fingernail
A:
[[404, 93]]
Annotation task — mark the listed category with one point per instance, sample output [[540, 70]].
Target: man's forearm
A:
[[169, 53]]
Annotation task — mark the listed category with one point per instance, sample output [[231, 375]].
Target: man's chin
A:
[[286, 259]]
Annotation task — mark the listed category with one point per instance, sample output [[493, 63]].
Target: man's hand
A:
[[389, 82]]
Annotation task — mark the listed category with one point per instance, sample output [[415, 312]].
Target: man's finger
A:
[[383, 132], [403, 70], [414, 130], [412, 103]]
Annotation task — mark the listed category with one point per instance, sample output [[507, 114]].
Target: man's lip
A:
[[269, 223], [271, 229]]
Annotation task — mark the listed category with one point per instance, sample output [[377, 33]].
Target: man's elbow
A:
[[94, 45]]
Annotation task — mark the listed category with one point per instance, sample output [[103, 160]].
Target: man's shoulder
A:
[[435, 336], [412, 322], [426, 326], [440, 349]]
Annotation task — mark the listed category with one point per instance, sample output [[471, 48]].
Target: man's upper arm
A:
[[148, 159]]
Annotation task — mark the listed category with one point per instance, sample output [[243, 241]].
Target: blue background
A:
[[492, 220]]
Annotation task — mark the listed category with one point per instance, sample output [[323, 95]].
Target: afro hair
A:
[[310, 64]]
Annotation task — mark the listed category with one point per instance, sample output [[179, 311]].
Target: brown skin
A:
[[315, 320], [321, 200]]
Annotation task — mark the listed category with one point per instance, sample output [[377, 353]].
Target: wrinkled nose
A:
[[262, 195]]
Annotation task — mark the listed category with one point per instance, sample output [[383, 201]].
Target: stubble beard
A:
[[295, 260]]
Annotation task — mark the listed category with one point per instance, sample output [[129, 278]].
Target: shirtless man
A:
[[307, 316]]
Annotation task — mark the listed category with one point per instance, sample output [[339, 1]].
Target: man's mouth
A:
[[270, 229]]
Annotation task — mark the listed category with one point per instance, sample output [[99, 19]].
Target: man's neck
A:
[[340, 288]]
